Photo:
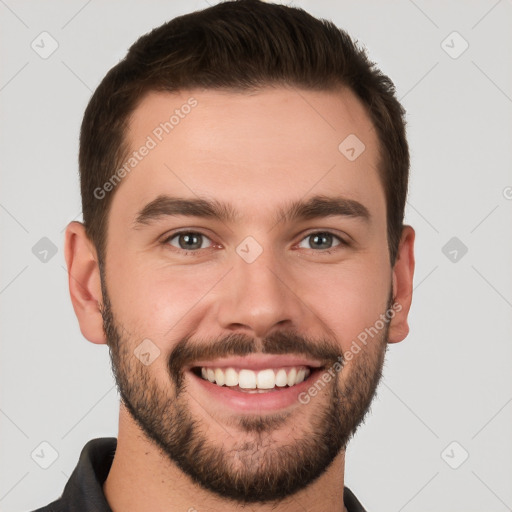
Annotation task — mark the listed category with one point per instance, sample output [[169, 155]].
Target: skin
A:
[[257, 151]]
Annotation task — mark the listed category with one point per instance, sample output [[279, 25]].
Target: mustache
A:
[[187, 352]]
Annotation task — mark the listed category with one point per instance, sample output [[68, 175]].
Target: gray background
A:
[[449, 381]]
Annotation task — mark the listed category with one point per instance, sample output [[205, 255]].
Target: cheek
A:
[[351, 298], [154, 300]]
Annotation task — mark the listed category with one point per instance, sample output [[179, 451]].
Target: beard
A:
[[251, 466]]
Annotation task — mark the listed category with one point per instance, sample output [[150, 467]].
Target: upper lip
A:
[[259, 362]]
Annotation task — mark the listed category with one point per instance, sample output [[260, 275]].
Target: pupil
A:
[[190, 241], [322, 239]]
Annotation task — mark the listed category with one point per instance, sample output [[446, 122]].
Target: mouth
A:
[[255, 384], [245, 380]]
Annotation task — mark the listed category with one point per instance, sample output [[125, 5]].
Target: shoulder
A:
[[54, 506]]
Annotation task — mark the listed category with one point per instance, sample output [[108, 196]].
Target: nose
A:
[[259, 296]]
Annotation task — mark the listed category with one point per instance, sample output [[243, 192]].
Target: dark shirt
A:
[[84, 489]]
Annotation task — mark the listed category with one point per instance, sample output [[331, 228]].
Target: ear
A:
[[403, 273], [84, 282]]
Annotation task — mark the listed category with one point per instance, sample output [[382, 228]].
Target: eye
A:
[[321, 240], [188, 241]]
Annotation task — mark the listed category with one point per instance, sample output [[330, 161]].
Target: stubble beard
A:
[[251, 467]]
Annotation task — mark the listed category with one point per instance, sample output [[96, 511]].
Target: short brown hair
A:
[[238, 45]]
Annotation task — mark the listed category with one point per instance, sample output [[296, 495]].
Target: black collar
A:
[[84, 489]]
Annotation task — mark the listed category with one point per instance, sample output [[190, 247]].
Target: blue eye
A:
[[321, 240], [188, 241]]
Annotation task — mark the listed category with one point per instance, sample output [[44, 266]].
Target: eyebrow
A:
[[315, 207]]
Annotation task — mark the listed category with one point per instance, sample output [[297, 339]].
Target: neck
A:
[[142, 478]]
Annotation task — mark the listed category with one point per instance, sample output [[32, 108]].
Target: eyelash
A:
[[165, 242]]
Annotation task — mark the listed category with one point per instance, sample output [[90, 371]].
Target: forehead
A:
[[251, 149]]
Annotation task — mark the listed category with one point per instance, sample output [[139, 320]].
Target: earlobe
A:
[[403, 273], [84, 282]]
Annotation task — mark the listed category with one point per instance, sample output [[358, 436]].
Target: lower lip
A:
[[255, 402]]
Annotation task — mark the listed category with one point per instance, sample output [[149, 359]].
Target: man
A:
[[243, 175]]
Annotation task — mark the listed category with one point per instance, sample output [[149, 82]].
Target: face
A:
[[245, 255]]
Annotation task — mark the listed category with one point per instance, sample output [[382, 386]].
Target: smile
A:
[[249, 380], [254, 383]]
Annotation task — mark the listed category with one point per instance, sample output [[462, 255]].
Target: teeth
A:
[[281, 378], [247, 379], [292, 377], [251, 380], [231, 377], [266, 379], [219, 377]]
